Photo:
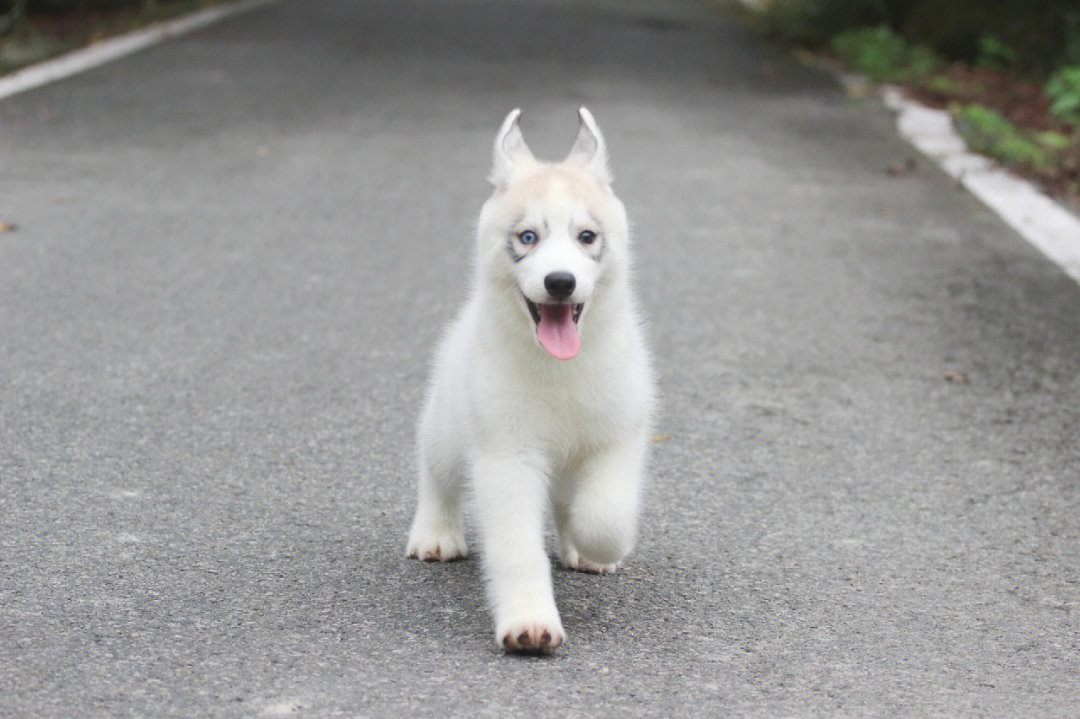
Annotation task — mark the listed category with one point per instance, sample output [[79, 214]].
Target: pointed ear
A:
[[589, 148], [510, 149]]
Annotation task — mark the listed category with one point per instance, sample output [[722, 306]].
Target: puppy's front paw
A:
[[434, 546], [529, 635]]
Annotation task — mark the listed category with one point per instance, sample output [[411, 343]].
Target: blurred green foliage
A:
[[1063, 88], [817, 20], [987, 131], [1034, 37], [35, 30], [995, 54], [13, 12], [883, 55]]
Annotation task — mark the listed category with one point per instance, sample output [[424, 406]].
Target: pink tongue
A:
[[557, 332]]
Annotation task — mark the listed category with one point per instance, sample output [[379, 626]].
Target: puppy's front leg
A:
[[511, 496]]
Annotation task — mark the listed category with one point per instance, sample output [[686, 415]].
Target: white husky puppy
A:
[[541, 390]]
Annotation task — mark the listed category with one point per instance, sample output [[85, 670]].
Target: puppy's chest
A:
[[568, 414]]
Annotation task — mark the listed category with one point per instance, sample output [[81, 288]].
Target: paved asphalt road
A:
[[236, 249]]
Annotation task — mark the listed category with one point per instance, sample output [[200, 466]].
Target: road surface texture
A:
[[235, 251]]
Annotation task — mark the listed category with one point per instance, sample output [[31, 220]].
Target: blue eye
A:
[[528, 237]]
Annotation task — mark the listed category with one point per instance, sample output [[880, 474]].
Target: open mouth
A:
[[534, 309], [556, 327]]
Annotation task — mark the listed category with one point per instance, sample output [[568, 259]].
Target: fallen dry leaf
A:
[[957, 377], [900, 168], [7, 227], [661, 437]]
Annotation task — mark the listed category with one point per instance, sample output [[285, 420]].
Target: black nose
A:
[[559, 285]]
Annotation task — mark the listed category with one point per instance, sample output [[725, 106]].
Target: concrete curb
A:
[[107, 50], [1038, 218]]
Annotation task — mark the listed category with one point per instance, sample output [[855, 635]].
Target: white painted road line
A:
[[107, 50], [1038, 219]]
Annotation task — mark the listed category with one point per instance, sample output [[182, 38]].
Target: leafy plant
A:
[[1063, 87], [1053, 141], [995, 54], [989, 132], [883, 55]]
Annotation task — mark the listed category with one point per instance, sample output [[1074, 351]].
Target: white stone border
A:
[[1038, 219], [102, 52]]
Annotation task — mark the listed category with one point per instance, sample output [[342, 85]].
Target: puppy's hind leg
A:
[[438, 532], [599, 514]]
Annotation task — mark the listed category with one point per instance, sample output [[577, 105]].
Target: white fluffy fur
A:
[[519, 429]]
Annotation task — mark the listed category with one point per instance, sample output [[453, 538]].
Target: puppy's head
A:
[[553, 236]]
